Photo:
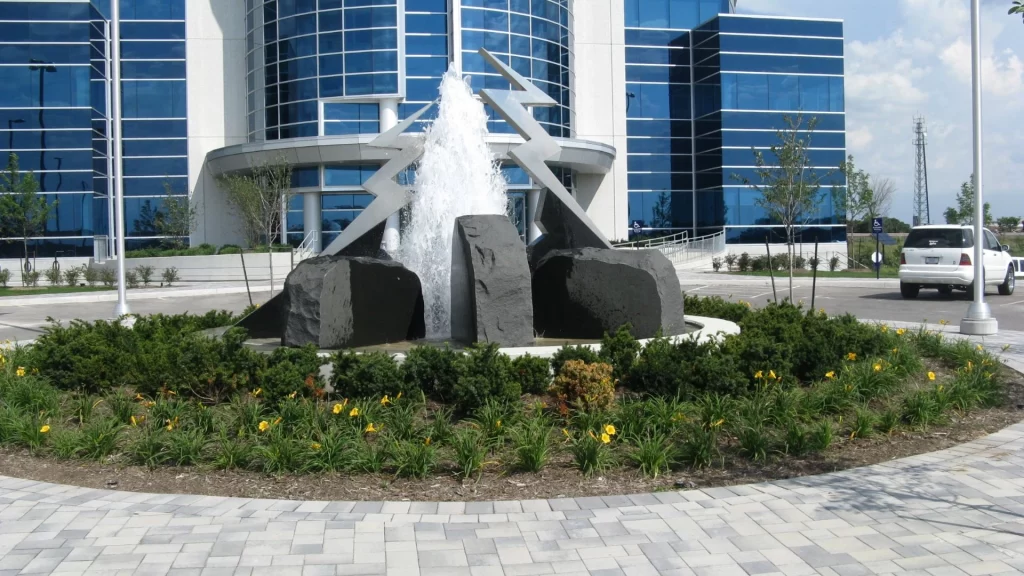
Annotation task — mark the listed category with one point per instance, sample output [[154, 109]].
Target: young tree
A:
[[258, 198], [1008, 224], [790, 187], [882, 191], [963, 212], [852, 202], [661, 212], [23, 211], [177, 220]]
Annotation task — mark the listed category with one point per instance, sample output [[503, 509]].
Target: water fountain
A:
[[457, 176], [462, 270]]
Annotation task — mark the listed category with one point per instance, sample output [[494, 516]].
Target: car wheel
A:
[[1009, 283], [909, 291], [945, 290]]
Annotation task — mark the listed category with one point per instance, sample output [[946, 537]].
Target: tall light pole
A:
[[10, 133], [979, 320], [115, 74]]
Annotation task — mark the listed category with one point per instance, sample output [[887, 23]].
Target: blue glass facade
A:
[[704, 88]]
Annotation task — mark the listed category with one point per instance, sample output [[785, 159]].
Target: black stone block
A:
[[490, 283], [587, 292]]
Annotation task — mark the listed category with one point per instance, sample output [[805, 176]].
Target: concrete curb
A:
[[132, 295], [782, 281]]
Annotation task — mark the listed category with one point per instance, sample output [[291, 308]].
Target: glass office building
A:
[[656, 118]]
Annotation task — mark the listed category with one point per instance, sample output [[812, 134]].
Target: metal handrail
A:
[[681, 249], [307, 248], [654, 242]]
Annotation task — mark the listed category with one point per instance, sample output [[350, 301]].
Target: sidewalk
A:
[[690, 278], [183, 291]]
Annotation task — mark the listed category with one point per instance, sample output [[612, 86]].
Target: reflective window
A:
[[153, 99], [155, 166], [152, 50], [304, 178], [153, 186], [155, 147], [781, 27], [152, 9], [781, 45], [340, 119], [784, 64], [347, 175]]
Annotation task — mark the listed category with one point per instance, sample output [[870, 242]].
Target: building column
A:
[[392, 228], [312, 219], [532, 230]]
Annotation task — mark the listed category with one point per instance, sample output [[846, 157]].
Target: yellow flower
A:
[[427, 441], [139, 397], [901, 331], [385, 400], [884, 328], [277, 421], [609, 430], [264, 426], [134, 421], [21, 371], [943, 322], [149, 403], [170, 425], [895, 350], [255, 393], [315, 445], [931, 376], [353, 412], [370, 428], [979, 347], [718, 423], [970, 365], [605, 438], [848, 388], [498, 425], [337, 408], [565, 431], [830, 374], [852, 356], [399, 397], [758, 374], [771, 375], [292, 395], [941, 388], [45, 428], [878, 367]]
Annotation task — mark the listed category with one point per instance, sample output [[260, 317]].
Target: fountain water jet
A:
[[457, 176]]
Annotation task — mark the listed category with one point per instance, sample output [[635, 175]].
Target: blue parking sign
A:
[[876, 225]]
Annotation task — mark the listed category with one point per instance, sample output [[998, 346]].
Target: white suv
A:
[[941, 257]]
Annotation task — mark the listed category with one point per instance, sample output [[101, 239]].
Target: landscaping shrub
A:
[[108, 277], [291, 371], [716, 263], [91, 275], [230, 249], [533, 374], [433, 370], [586, 386], [684, 369], [371, 375], [170, 275], [484, 373], [131, 279], [715, 307], [620, 350], [743, 263], [5, 277], [53, 276], [730, 261], [71, 275], [566, 353], [31, 278], [145, 274], [833, 263]]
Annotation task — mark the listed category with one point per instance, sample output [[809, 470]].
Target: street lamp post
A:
[[10, 133], [115, 73], [979, 320], [42, 67]]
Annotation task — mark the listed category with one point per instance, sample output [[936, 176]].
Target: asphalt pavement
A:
[[865, 299]]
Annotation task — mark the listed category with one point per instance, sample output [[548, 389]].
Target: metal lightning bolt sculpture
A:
[[389, 197]]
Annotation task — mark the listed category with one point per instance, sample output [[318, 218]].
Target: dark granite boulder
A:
[[344, 301], [586, 292], [490, 283]]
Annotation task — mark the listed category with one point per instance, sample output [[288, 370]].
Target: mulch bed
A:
[[559, 479]]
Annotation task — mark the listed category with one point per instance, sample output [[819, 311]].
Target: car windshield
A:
[[937, 238]]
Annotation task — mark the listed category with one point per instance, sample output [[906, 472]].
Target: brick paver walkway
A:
[[955, 512]]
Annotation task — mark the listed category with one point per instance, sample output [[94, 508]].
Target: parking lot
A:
[[863, 301]]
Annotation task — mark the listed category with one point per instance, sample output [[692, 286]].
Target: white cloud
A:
[[1002, 74]]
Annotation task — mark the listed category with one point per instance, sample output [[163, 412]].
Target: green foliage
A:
[[5, 277], [433, 370], [484, 374], [291, 371], [620, 350], [23, 211], [920, 409], [369, 457], [32, 278], [754, 440], [170, 275], [371, 375], [470, 451], [91, 275], [131, 279], [533, 374], [864, 424], [590, 454], [71, 275], [566, 353], [743, 264], [822, 436], [587, 386], [145, 274], [797, 439], [685, 369], [415, 458], [699, 446], [715, 307], [53, 276], [107, 275], [99, 437], [653, 454], [531, 440]]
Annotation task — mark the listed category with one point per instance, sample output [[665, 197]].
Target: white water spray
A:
[[457, 176]]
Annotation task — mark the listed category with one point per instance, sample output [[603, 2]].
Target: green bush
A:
[[484, 374], [71, 275], [5, 277], [108, 277], [533, 373], [433, 370], [589, 387], [91, 275], [715, 307], [685, 369], [53, 276], [370, 375], [229, 249], [291, 371], [620, 350], [566, 353]]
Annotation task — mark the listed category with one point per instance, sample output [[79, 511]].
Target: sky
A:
[[907, 58]]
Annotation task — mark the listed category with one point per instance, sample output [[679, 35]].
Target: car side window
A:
[[990, 241]]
